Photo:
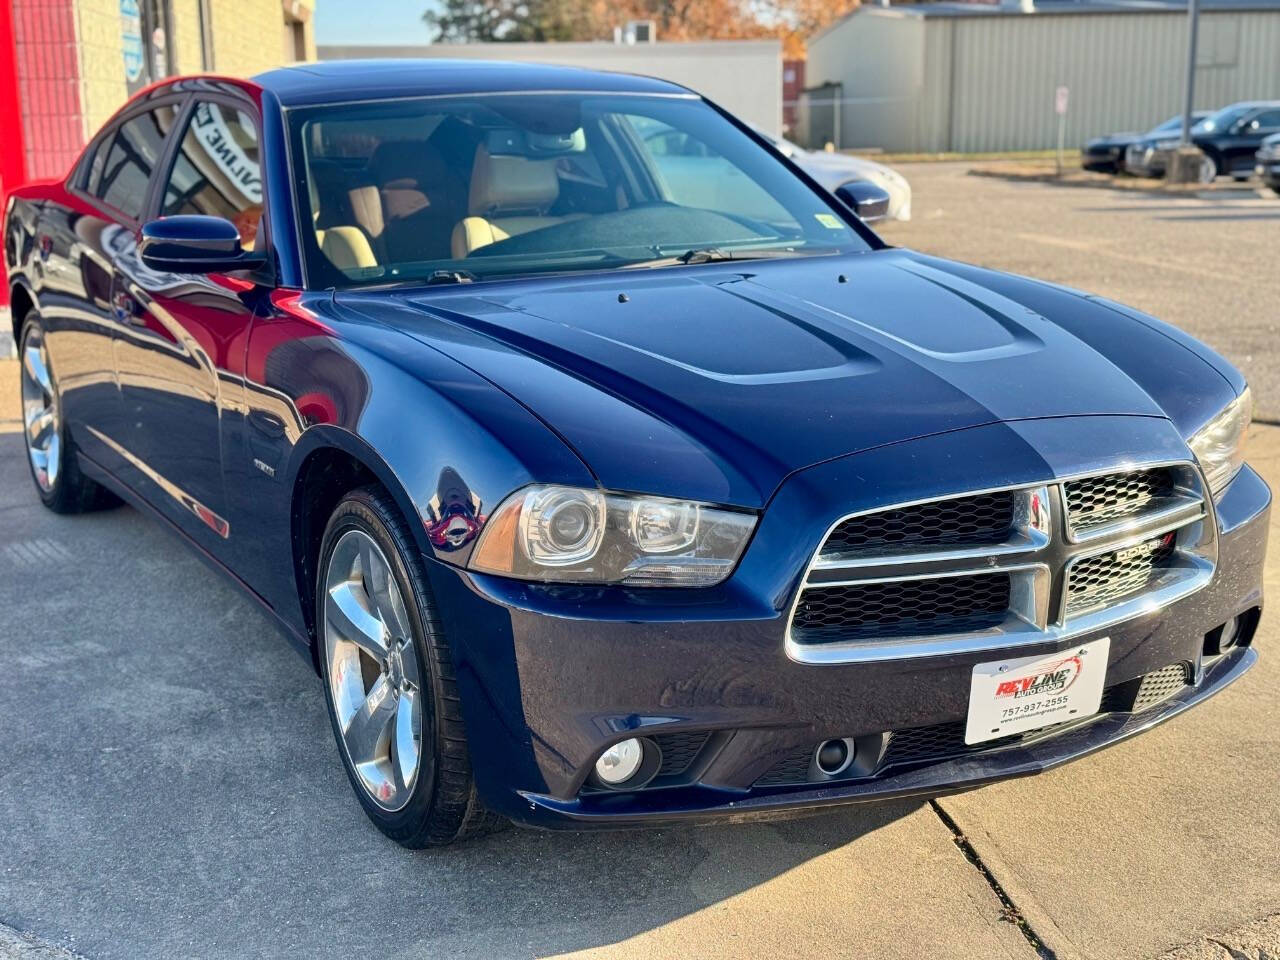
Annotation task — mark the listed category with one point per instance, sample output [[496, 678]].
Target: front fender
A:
[[445, 443]]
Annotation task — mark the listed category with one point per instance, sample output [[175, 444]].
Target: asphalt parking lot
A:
[[169, 786]]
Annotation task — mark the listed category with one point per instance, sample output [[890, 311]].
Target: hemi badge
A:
[[269, 471]]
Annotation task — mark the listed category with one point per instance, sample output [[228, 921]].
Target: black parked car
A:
[[1233, 135], [1268, 162], [1107, 154]]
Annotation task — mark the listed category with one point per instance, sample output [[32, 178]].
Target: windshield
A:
[[479, 187]]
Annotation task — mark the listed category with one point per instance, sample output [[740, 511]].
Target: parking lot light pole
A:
[[1193, 29]]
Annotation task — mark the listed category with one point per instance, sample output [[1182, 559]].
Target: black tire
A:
[[443, 806], [71, 491]]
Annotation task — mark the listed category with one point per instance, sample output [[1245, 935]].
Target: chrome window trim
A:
[[1030, 621]]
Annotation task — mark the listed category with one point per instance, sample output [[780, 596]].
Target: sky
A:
[[371, 21]]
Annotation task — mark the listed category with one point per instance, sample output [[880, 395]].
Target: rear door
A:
[[180, 358]]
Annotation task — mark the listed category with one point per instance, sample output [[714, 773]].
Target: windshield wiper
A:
[[451, 276]]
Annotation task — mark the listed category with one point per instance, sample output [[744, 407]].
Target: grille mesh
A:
[[678, 751], [1096, 501], [1102, 580], [902, 608], [792, 769], [978, 520], [1160, 685]]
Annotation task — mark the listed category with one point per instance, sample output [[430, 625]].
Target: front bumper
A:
[[551, 675]]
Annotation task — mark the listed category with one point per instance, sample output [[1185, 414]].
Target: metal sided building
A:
[[976, 77]]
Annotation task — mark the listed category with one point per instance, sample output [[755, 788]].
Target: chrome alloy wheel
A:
[[373, 672], [40, 411]]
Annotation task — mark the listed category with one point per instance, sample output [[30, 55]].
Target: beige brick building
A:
[[233, 37]]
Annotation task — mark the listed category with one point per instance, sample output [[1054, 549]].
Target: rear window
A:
[[120, 172]]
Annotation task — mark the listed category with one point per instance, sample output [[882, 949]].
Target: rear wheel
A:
[[388, 679], [50, 454]]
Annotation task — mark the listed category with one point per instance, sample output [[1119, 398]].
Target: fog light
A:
[[1230, 634], [620, 762], [834, 756]]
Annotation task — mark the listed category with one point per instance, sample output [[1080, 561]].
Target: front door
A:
[[180, 357]]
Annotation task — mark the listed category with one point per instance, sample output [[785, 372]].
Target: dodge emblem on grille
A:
[[1144, 549]]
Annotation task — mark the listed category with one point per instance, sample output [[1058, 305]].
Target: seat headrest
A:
[[406, 162], [505, 184]]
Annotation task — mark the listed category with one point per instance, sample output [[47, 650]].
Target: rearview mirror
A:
[[864, 198], [194, 243]]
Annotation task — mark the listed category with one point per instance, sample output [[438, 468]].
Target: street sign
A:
[[1060, 108]]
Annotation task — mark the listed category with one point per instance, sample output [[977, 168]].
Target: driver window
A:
[[217, 170]]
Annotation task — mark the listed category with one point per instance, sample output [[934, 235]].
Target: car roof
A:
[[332, 81]]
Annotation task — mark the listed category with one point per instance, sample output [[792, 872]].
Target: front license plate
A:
[[1027, 693]]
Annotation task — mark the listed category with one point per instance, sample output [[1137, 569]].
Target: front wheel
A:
[[388, 679]]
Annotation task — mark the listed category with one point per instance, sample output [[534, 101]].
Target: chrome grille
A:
[[987, 518], [902, 608], [1101, 580], [1094, 502], [996, 569]]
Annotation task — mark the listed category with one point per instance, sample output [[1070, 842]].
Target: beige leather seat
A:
[[346, 245], [509, 196]]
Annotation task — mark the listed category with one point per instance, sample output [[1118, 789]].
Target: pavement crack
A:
[[1009, 911]]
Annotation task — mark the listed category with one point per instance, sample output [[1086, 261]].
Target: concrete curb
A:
[[1123, 184]]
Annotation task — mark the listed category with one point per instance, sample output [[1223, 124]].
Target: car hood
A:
[[717, 381]]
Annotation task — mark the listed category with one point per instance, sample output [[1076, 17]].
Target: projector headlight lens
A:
[[1219, 444], [578, 535]]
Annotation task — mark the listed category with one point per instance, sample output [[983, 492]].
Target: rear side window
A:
[[217, 169], [121, 172], [1268, 120]]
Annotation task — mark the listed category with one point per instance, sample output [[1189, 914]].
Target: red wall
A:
[[49, 85], [39, 82]]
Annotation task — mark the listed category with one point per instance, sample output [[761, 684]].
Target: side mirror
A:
[[869, 202], [195, 244]]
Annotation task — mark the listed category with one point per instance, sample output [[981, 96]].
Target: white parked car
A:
[[833, 169]]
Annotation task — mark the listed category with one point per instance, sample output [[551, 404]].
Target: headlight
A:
[[580, 535], [1219, 444], [1168, 144]]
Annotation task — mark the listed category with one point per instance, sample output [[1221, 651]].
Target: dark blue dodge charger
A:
[[610, 470]]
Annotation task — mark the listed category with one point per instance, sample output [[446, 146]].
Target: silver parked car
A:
[[836, 169]]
